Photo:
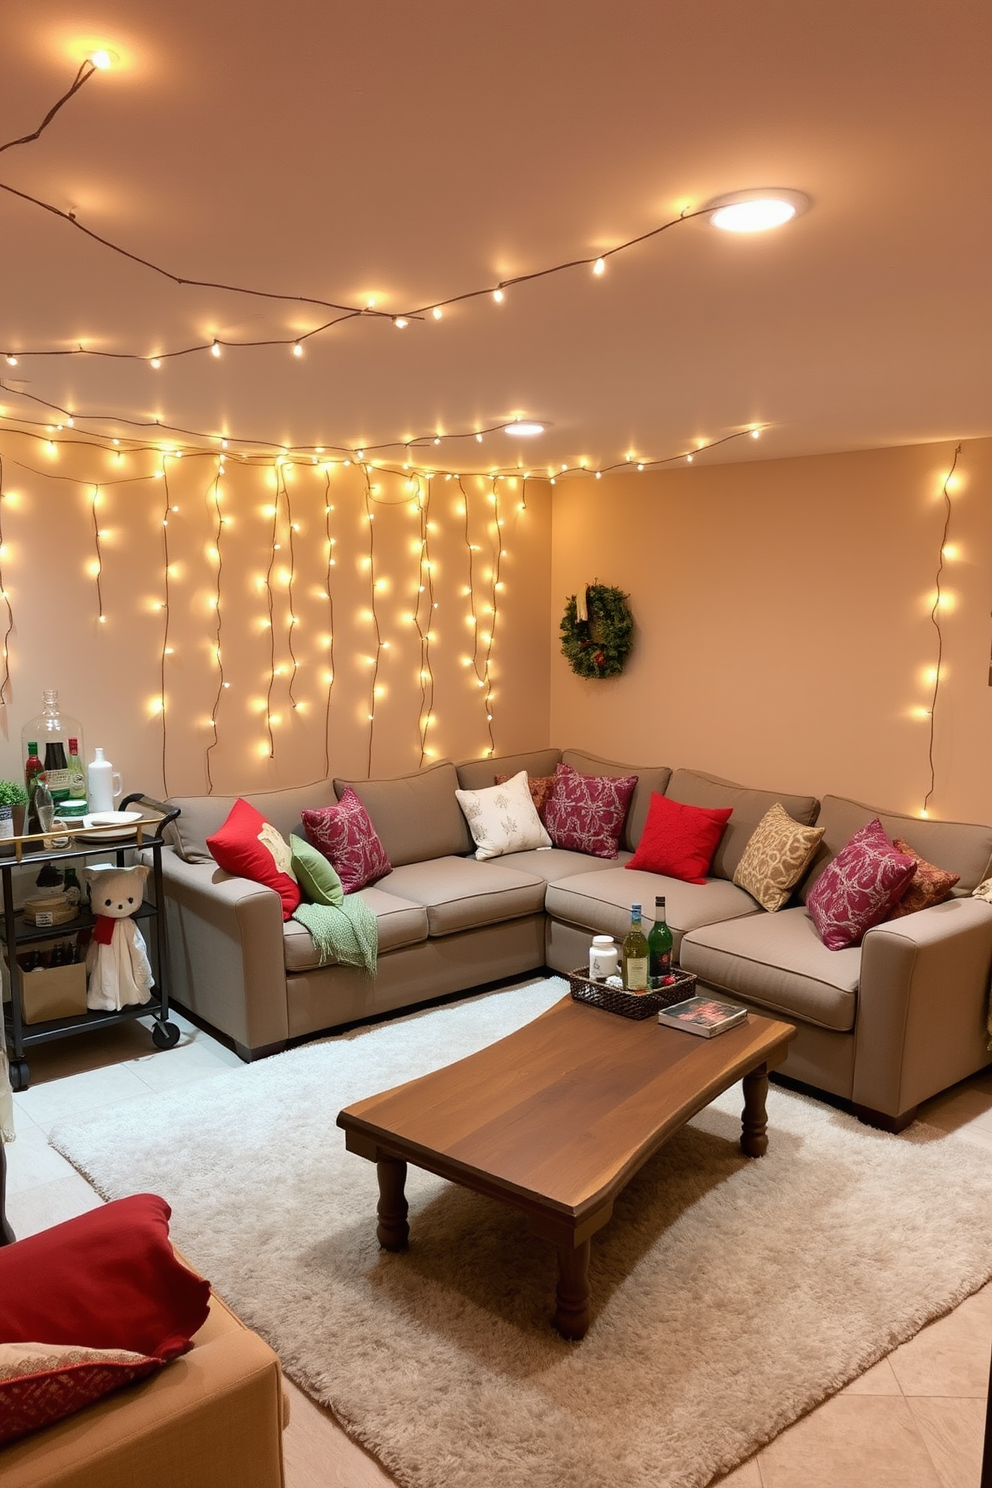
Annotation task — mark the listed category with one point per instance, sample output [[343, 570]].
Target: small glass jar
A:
[[604, 958]]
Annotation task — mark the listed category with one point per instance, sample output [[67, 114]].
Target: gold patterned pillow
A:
[[777, 855]]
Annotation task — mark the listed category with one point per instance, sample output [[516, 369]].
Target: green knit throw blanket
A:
[[347, 931]]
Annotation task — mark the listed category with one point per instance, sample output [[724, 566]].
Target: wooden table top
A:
[[557, 1116]]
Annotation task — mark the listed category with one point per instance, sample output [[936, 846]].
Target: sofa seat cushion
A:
[[780, 963], [464, 893], [553, 863], [600, 902], [401, 923]]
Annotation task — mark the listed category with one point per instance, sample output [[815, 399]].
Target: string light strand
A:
[[4, 595], [935, 622], [215, 499]]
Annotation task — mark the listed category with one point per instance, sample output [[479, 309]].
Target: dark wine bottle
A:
[[659, 948]]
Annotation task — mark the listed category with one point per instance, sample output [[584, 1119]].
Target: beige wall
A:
[[109, 673], [783, 633]]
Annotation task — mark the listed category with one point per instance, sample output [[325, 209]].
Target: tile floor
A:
[[914, 1421]]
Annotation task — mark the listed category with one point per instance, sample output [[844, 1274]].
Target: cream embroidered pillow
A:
[[503, 818], [777, 854]]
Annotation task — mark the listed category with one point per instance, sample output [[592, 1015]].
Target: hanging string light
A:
[[425, 599], [166, 617], [214, 497], [373, 612], [291, 618], [935, 620], [98, 558], [270, 607], [329, 589], [4, 595]]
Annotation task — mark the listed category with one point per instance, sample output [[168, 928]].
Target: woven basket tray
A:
[[631, 1004]]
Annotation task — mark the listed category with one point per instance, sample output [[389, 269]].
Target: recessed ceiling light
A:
[[756, 210], [525, 429]]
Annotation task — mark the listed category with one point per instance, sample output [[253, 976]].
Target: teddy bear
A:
[[117, 967]]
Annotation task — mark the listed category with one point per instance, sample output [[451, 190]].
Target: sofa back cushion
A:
[[417, 817], [477, 774], [696, 788], [201, 816], [649, 778], [956, 847]]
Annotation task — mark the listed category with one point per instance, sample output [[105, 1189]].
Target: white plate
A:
[[105, 826]]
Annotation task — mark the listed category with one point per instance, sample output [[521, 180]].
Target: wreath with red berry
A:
[[597, 646]]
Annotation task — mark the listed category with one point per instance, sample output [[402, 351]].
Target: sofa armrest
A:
[[226, 951], [922, 1004], [214, 1415]]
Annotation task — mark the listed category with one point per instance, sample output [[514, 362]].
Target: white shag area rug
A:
[[729, 1296]]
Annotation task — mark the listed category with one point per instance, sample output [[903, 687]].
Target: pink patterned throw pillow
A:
[[586, 813], [348, 840], [859, 887]]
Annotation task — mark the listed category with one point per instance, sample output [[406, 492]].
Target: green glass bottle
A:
[[659, 948], [635, 954]]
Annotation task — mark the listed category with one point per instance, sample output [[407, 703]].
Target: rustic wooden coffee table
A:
[[556, 1118]]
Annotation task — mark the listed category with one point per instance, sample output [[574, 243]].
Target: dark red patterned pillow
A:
[[586, 813], [929, 884], [859, 887], [44, 1382], [540, 787], [349, 841]]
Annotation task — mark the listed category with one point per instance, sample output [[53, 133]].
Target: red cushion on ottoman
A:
[[106, 1279]]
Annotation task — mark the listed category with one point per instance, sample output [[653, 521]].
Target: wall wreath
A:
[[597, 631]]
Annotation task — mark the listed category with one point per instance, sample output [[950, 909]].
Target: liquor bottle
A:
[[53, 726], [77, 775], [33, 767], [635, 954], [659, 948]]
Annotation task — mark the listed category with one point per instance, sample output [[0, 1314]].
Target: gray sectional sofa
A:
[[883, 1025]]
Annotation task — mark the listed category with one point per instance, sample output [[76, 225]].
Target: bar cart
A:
[[75, 842]]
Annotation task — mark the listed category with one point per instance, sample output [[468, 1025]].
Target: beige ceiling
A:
[[413, 152]]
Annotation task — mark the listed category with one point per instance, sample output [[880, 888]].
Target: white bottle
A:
[[604, 958], [100, 783]]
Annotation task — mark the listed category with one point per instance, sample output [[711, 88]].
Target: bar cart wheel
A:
[[20, 1075], [165, 1035]]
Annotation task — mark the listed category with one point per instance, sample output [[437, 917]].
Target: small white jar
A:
[[604, 958]]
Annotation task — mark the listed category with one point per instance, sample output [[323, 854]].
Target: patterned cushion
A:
[[503, 818], [929, 884], [585, 813], [540, 787], [348, 840], [250, 846], [43, 1382], [858, 887], [680, 840], [776, 856]]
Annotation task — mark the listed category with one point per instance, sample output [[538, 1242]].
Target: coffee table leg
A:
[[754, 1120], [572, 1314], [392, 1231]]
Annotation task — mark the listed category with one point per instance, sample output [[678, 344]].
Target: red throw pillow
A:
[[680, 840], [540, 787], [858, 887], [108, 1279], [349, 841], [928, 885], [43, 1382], [250, 847], [586, 813]]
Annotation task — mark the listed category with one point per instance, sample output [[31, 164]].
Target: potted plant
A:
[[13, 801]]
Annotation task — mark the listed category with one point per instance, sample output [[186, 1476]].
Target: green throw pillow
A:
[[316, 876]]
